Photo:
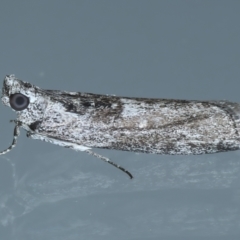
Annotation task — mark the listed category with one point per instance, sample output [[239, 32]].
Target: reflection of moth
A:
[[82, 121]]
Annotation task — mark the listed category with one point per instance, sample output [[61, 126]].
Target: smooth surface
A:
[[166, 49]]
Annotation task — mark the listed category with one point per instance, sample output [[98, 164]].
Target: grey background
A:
[[164, 49]]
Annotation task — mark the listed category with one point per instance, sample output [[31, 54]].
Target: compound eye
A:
[[19, 101]]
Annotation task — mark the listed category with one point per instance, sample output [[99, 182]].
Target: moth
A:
[[82, 121]]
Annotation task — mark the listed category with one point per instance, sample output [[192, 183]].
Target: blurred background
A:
[[185, 49]]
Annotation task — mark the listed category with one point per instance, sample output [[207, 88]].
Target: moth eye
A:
[[19, 101]]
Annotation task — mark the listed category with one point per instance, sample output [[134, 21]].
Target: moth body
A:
[[162, 126]]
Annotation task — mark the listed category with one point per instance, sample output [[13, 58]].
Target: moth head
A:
[[24, 98]]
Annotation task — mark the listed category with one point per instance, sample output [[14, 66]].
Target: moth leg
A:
[[16, 133], [109, 161]]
